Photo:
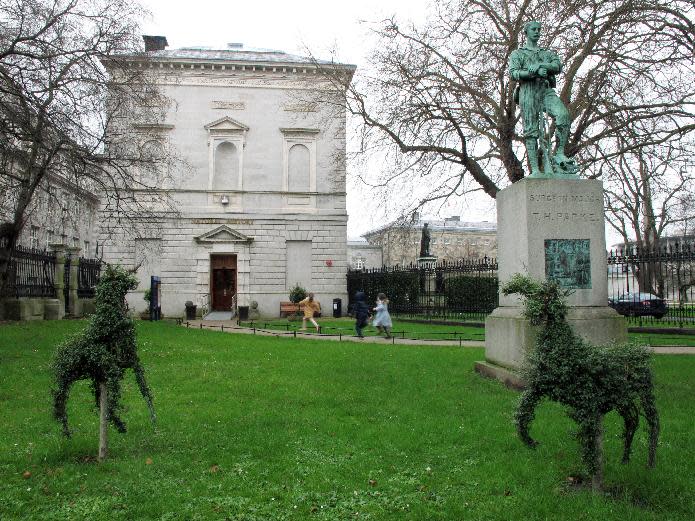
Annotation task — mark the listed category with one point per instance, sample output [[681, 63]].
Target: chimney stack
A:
[[155, 43]]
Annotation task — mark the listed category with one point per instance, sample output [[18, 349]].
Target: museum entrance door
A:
[[223, 281]]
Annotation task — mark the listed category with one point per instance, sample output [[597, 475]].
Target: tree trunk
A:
[[597, 477], [103, 422]]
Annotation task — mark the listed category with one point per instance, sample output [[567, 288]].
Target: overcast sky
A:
[[291, 27]]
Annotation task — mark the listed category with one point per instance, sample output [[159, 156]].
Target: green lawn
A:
[[254, 427]]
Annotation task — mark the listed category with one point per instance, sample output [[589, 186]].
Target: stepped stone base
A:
[[508, 377], [508, 334]]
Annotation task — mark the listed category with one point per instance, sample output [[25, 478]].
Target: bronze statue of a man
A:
[[425, 241], [535, 69]]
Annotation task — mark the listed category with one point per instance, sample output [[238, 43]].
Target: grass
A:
[[255, 428], [428, 331]]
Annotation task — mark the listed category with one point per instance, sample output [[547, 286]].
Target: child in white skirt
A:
[[382, 319]]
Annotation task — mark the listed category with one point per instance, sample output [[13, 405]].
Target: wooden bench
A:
[[288, 308]]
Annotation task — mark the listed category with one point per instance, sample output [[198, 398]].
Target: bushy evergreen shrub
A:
[[297, 293], [472, 294]]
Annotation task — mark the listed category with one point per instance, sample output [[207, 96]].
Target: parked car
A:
[[639, 304]]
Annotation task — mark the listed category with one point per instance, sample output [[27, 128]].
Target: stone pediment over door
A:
[[225, 125], [223, 234]]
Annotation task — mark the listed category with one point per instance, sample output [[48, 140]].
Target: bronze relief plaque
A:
[[568, 261]]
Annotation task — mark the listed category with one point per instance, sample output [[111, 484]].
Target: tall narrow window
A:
[[299, 169], [34, 238], [226, 167]]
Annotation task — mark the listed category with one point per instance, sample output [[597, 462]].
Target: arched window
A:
[[226, 175], [299, 164]]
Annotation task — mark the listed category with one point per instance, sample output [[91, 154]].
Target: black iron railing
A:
[[638, 279], [30, 273], [464, 291], [468, 290], [87, 277]]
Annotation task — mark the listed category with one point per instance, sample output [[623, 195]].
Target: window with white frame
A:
[[85, 251], [299, 159], [50, 238]]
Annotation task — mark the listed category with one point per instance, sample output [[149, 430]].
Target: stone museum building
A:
[[362, 255], [451, 240], [261, 201], [60, 213]]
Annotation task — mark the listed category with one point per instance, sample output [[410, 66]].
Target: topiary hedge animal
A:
[[590, 380], [102, 352]]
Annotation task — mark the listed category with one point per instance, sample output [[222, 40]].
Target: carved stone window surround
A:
[[299, 136], [228, 130]]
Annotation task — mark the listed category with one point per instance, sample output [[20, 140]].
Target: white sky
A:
[[292, 26]]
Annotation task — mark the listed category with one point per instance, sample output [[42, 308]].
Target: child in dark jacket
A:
[[361, 311]]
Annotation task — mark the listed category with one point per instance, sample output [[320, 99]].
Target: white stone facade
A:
[[261, 202]]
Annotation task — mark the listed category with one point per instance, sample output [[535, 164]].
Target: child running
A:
[[382, 319], [310, 306], [361, 311]]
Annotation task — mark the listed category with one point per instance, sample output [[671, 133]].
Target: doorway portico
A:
[[224, 268]]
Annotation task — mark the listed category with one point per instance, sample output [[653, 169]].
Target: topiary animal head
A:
[[115, 282], [542, 300]]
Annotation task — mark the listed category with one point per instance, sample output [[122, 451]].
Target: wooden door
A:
[[223, 281]]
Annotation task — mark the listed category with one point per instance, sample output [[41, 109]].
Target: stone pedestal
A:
[[551, 229], [427, 263]]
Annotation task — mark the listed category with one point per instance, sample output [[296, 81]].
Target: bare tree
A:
[[438, 101], [61, 109]]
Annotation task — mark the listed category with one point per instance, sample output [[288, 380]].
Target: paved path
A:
[[230, 326]]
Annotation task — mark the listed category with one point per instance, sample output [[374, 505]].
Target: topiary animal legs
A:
[[649, 407], [144, 389], [630, 415], [525, 412], [60, 400]]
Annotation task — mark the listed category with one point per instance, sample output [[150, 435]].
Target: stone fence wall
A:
[[43, 285]]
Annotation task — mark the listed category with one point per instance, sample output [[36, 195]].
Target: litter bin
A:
[[190, 310], [337, 308], [243, 312]]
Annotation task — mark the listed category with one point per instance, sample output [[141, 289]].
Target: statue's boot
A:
[[560, 157], [532, 151]]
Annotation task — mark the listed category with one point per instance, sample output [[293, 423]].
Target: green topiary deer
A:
[[590, 380], [102, 352]]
